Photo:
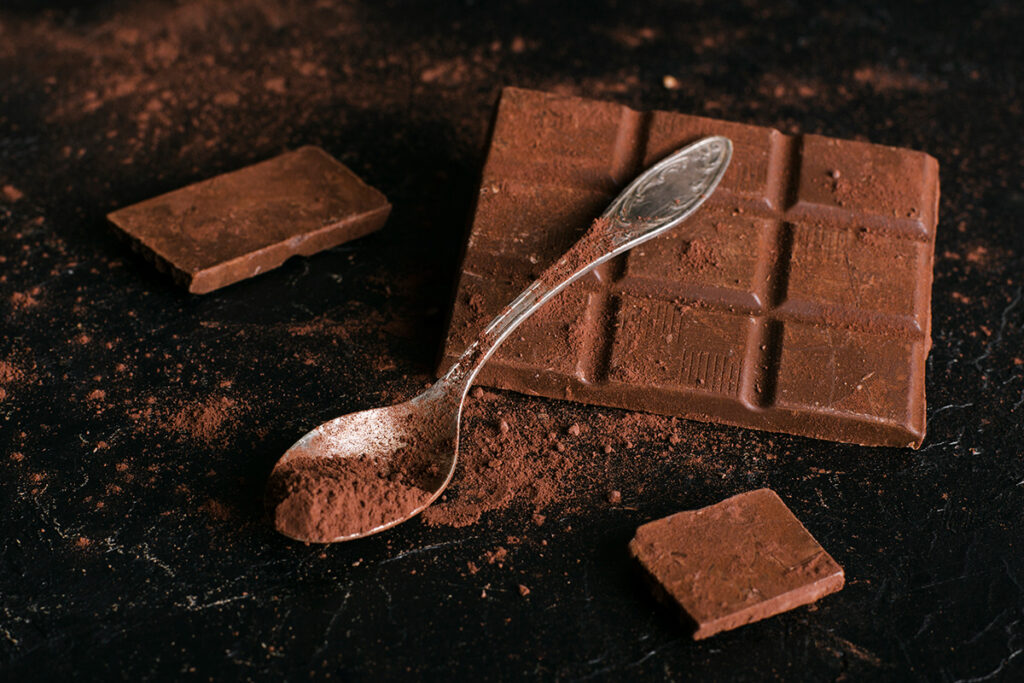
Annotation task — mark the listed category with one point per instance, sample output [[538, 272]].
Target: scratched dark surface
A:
[[135, 545]]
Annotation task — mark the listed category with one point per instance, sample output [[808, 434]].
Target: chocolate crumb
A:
[[496, 556], [11, 193]]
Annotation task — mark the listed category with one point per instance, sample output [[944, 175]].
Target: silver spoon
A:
[[365, 472]]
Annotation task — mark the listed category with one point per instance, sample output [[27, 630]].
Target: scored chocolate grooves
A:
[[627, 163], [799, 324]]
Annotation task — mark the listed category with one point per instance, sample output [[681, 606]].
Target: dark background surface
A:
[[138, 423]]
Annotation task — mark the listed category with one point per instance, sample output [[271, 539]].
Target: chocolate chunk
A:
[[236, 225], [735, 562], [796, 300]]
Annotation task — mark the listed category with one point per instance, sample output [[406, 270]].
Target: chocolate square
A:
[[236, 225], [739, 561]]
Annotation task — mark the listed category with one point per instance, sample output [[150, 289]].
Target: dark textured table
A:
[[138, 422]]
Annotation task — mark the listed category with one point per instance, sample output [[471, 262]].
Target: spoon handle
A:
[[659, 199]]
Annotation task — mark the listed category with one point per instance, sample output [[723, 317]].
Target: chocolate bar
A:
[[236, 225], [729, 564], [797, 299]]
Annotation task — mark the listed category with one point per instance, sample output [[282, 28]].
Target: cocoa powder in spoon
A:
[[322, 499]]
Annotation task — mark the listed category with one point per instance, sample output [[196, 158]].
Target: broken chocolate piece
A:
[[796, 300], [236, 225], [735, 562]]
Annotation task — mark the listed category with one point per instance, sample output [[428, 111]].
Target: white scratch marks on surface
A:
[[630, 665], [995, 672], [192, 603], [977, 636], [144, 554], [426, 549], [1003, 320], [950, 406], [330, 625]]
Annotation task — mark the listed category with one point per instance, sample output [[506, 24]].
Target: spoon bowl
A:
[[365, 472]]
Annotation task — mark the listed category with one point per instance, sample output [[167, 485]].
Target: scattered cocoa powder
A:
[[204, 420], [216, 509], [496, 556], [509, 456], [9, 372], [23, 300], [11, 193]]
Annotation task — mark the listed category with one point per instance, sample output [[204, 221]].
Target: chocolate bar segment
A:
[[739, 561], [236, 225], [796, 300]]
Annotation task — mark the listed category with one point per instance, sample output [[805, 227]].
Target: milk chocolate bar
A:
[[735, 562], [797, 299], [236, 225]]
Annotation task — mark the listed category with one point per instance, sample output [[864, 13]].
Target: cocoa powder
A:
[[529, 454], [344, 480], [321, 499]]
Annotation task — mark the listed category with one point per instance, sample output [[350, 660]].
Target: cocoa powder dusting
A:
[[595, 243], [515, 452], [204, 419]]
